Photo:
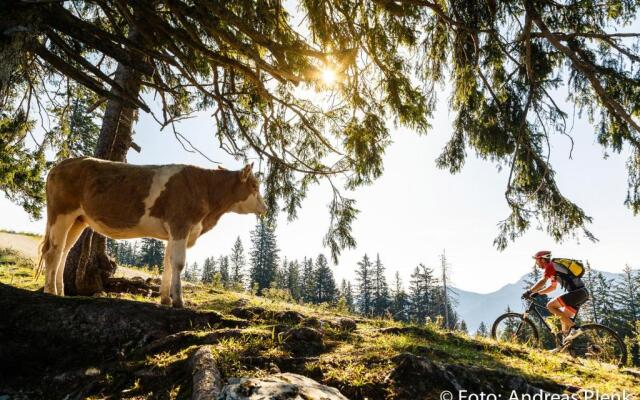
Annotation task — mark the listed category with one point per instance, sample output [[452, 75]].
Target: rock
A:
[[302, 340], [68, 333], [278, 328], [347, 324], [404, 330], [273, 368], [248, 312], [278, 386], [288, 317], [207, 381], [486, 380], [255, 312], [419, 377], [573, 389], [242, 302], [394, 330], [153, 281], [312, 322], [414, 377]]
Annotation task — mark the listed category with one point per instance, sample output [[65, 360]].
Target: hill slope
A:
[[253, 336]]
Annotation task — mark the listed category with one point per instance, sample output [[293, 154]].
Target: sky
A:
[[415, 211]]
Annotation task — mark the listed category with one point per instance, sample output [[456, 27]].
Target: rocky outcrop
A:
[[248, 313], [312, 322], [288, 317], [418, 377], [415, 376], [341, 323], [302, 340], [254, 313], [346, 324], [278, 386], [73, 332]]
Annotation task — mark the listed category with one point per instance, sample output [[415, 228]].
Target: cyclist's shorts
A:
[[573, 300]]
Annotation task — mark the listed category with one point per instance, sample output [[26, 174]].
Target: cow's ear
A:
[[246, 172]]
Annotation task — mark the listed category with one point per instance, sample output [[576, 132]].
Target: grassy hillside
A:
[[356, 362]]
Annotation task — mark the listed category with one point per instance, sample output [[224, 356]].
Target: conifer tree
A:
[[325, 287], [113, 249], [294, 283], [223, 268], [605, 307], [364, 280], [280, 280], [208, 270], [151, 253], [441, 307], [191, 272], [308, 281], [510, 327], [399, 300], [264, 255], [380, 288], [446, 306], [591, 307], [134, 254], [625, 296], [421, 294], [462, 327], [346, 292], [237, 263], [482, 330]]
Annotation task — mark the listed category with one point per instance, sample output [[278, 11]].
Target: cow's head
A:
[[248, 189]]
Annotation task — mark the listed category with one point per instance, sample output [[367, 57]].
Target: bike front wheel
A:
[[514, 328], [600, 343]]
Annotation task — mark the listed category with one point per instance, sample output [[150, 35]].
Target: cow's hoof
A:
[[178, 304], [165, 301]]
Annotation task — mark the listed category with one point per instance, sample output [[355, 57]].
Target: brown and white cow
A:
[[176, 203]]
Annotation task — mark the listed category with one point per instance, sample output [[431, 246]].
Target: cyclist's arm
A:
[[539, 285], [549, 288]]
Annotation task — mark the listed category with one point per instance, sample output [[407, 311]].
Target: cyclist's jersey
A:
[[561, 274]]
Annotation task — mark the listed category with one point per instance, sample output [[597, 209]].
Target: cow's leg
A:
[[165, 285], [56, 237], [72, 237], [178, 259]]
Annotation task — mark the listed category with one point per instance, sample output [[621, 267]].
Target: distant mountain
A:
[[477, 307]]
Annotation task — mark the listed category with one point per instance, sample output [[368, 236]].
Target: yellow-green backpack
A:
[[574, 266]]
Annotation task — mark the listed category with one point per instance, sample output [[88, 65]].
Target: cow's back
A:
[[107, 192]]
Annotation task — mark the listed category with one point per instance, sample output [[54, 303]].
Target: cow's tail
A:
[[44, 247]]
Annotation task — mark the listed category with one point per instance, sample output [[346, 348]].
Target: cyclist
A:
[[567, 305]]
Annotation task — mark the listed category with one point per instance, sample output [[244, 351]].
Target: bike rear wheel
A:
[[600, 343], [514, 328]]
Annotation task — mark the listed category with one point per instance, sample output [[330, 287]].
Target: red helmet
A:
[[544, 254]]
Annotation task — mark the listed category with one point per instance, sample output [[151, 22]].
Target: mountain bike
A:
[[597, 342]]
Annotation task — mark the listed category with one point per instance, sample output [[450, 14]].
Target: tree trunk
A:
[[88, 265]]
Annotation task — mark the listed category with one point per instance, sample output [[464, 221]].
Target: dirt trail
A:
[[28, 246]]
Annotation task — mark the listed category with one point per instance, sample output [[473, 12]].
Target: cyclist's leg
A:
[[559, 308], [574, 299]]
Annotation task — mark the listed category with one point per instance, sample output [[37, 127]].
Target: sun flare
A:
[[329, 76]]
